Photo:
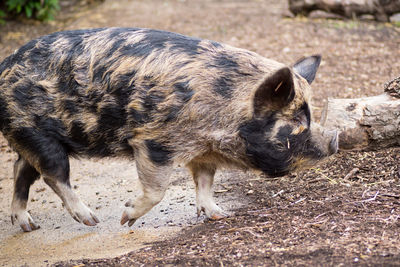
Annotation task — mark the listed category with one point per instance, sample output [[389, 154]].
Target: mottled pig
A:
[[158, 98]]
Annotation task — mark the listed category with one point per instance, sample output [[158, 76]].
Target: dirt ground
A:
[[321, 216]]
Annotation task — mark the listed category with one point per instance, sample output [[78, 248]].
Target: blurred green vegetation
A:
[[43, 10]]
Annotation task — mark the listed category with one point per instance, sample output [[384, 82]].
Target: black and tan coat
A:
[[159, 98]]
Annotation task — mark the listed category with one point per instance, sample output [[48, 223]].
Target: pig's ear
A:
[[275, 92], [307, 67]]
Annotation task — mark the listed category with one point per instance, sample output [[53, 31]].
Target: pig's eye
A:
[[301, 119], [303, 116]]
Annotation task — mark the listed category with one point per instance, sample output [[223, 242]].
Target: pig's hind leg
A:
[[203, 176], [24, 176], [58, 179], [47, 156]]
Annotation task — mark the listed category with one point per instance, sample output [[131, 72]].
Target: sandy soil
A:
[[314, 217], [105, 185]]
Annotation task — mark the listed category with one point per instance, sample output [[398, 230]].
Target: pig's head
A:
[[281, 137]]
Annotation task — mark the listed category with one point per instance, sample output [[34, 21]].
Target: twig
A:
[[261, 210], [254, 234], [322, 214], [332, 181], [240, 228], [300, 200], [277, 194], [246, 228], [365, 191], [390, 195], [316, 223], [370, 199], [221, 191], [351, 173], [375, 183]]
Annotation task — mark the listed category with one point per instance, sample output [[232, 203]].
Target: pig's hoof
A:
[[125, 218], [25, 221], [218, 216], [84, 215], [215, 213]]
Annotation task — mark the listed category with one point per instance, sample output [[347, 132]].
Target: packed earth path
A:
[[343, 212]]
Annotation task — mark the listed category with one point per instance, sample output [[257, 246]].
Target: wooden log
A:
[[393, 87], [364, 123], [380, 9]]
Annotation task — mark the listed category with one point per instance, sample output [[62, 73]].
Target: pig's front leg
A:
[[203, 176], [154, 180]]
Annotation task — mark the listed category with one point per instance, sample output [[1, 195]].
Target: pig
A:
[[159, 98]]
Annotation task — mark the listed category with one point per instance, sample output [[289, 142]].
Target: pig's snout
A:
[[334, 143]]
